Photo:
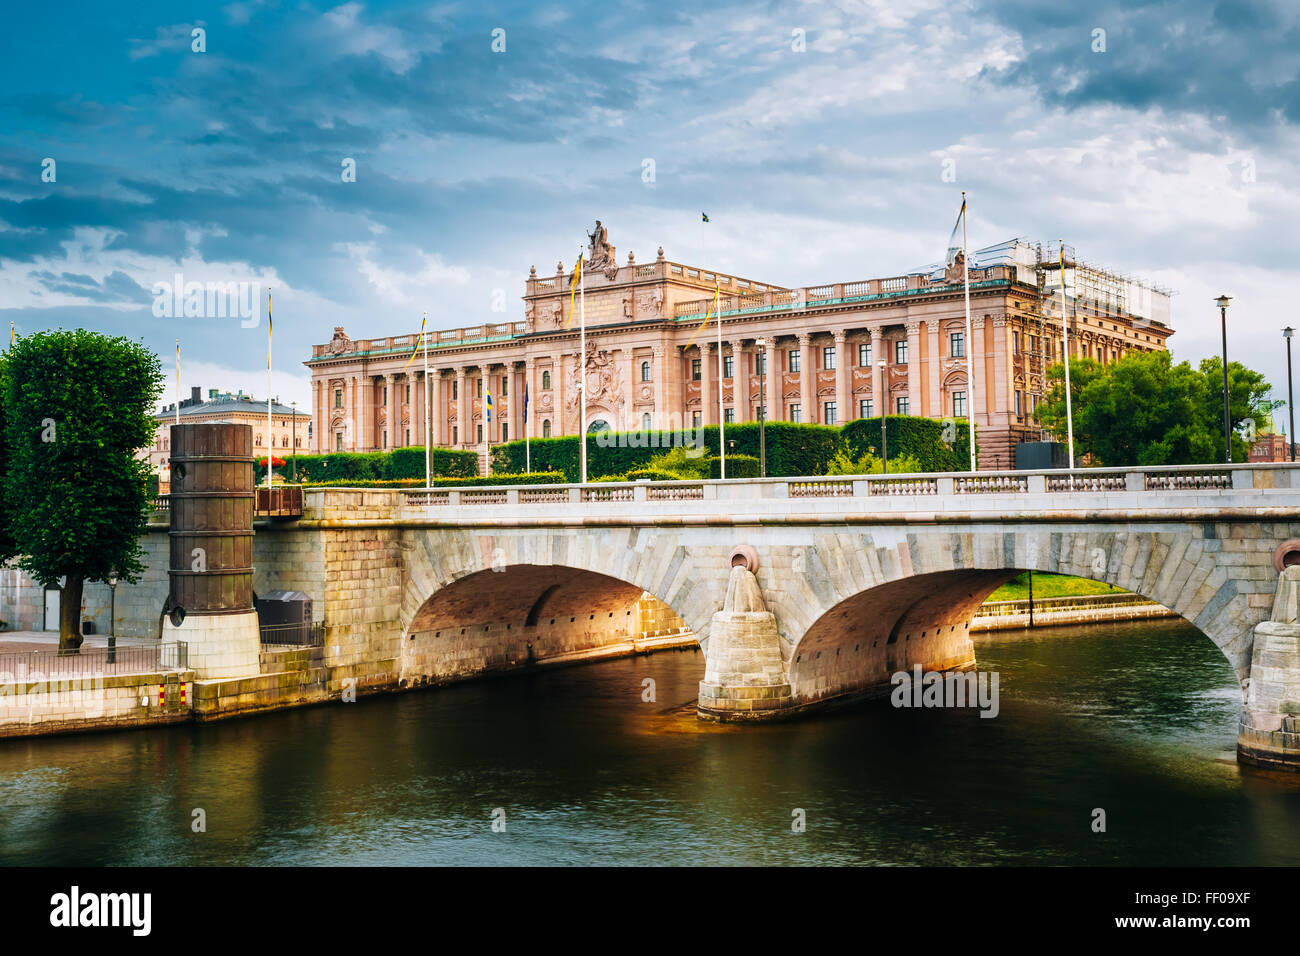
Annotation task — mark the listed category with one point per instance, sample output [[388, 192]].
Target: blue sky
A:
[[1172, 154]]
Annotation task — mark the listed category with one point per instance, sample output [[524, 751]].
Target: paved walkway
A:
[[21, 642]]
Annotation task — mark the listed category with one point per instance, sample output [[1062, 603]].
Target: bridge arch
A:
[[475, 602], [908, 597]]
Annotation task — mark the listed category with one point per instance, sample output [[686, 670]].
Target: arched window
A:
[[645, 371], [645, 422], [546, 380], [598, 426], [546, 428]]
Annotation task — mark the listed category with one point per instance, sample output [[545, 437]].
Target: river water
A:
[[1137, 719]]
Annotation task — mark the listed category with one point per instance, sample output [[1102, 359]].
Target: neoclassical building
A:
[[808, 354]]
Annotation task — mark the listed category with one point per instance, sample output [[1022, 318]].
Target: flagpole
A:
[[1065, 329], [428, 474], [528, 427], [722, 415], [582, 368], [269, 440], [178, 381], [970, 342]]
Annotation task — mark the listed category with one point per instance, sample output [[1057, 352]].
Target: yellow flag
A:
[[573, 286], [416, 351]]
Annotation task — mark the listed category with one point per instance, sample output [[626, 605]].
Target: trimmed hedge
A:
[[919, 438], [738, 466], [379, 465], [531, 478], [792, 450]]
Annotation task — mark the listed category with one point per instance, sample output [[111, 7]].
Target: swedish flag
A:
[[705, 216]]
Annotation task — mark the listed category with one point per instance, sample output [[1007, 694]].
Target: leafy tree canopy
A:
[[1145, 410]]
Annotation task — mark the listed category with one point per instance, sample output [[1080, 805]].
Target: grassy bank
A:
[[1051, 585]]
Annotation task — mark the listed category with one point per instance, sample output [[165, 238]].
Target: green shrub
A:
[[738, 466], [532, 478], [443, 463], [869, 464], [921, 440]]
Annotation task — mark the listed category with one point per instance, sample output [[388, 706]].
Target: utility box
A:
[[284, 617], [1041, 455]]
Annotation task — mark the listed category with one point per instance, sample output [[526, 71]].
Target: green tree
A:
[[77, 409], [1145, 410]]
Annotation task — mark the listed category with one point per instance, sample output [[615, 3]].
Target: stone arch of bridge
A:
[[917, 607]]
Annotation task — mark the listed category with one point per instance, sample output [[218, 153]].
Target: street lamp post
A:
[[112, 619], [884, 417], [294, 406], [1222, 303], [1290, 395], [762, 406]]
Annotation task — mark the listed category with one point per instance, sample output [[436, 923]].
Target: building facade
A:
[[290, 429], [825, 354]]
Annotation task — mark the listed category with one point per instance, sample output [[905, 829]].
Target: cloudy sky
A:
[[1160, 139]]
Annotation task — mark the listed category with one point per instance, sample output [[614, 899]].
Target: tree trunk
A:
[[70, 616]]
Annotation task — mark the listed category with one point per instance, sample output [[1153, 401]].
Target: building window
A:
[[957, 344], [480, 434], [900, 352], [505, 386], [408, 437], [796, 413], [455, 434], [958, 404], [546, 428], [384, 440], [828, 358], [455, 391], [1019, 410], [695, 370], [828, 413], [1015, 342], [760, 363], [864, 354], [695, 419], [478, 388], [546, 381], [792, 360], [728, 366], [1114, 356], [408, 395], [865, 408], [338, 441], [505, 431], [258, 442], [297, 441], [902, 404], [762, 413], [645, 422], [385, 399], [338, 398], [728, 415], [645, 371]]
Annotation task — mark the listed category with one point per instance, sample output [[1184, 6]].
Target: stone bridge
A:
[[865, 576]]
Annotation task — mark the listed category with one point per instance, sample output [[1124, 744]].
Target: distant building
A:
[[1270, 447], [800, 355], [226, 407]]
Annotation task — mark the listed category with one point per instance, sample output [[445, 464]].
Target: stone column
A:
[[557, 392], [350, 441], [708, 402], [434, 432], [387, 395], [914, 368], [462, 403], [740, 380], [772, 379], [807, 373], [660, 373], [843, 378], [321, 414], [934, 372], [979, 413], [879, 384]]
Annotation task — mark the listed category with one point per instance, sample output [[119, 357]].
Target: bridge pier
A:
[[1269, 732], [744, 674]]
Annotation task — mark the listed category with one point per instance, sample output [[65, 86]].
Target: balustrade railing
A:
[[49, 663], [1134, 483]]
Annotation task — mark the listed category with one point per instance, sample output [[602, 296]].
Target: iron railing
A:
[[50, 664], [299, 634]]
